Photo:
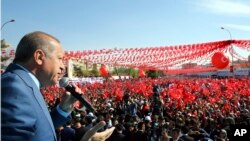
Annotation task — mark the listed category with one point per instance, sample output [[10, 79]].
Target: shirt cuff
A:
[[61, 112]]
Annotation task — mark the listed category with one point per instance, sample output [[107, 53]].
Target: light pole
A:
[[231, 67], [12, 20]]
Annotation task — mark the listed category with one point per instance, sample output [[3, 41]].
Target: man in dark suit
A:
[[38, 63], [68, 133]]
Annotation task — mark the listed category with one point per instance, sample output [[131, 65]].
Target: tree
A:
[[94, 72], [4, 58], [80, 71], [4, 44], [120, 71], [154, 73], [133, 72]]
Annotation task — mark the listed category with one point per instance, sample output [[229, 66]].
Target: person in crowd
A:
[[176, 134], [79, 130], [222, 136], [140, 133], [117, 135], [38, 63], [58, 133], [228, 121], [184, 134], [164, 135], [129, 131], [68, 133], [198, 132]]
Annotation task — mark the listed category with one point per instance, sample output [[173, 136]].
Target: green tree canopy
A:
[[4, 44]]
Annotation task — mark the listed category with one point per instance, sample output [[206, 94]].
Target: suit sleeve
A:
[[58, 119], [18, 118]]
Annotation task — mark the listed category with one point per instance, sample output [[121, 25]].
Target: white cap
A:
[[148, 118], [108, 105], [91, 114]]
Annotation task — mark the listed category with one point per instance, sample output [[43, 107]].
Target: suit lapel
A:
[[36, 92], [41, 102]]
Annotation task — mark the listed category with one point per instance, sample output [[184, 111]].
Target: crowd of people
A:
[[162, 109], [34, 108]]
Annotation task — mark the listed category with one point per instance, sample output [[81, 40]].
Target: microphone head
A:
[[64, 82]]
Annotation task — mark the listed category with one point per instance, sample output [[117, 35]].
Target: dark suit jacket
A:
[[140, 136], [116, 137], [68, 134], [79, 132], [25, 116]]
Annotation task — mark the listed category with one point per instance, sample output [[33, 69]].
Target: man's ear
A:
[[39, 56]]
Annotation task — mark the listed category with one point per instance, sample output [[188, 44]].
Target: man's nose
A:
[[63, 69]]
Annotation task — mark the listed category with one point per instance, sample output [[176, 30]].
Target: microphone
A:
[[64, 83]]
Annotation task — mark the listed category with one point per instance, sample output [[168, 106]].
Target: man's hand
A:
[[93, 135], [67, 100]]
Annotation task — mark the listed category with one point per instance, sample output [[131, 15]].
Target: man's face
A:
[[53, 67]]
